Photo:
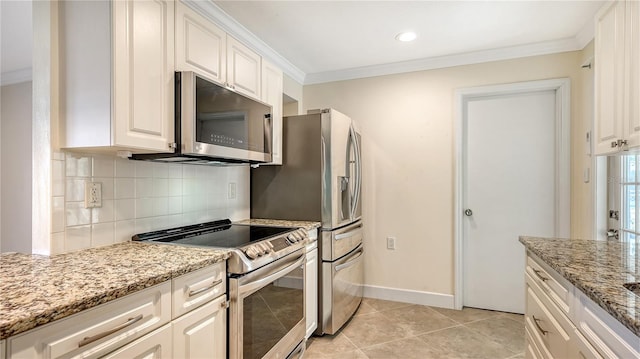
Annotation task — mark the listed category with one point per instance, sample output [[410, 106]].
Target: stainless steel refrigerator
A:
[[320, 180]]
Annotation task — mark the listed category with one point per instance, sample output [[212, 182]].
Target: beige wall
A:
[[406, 121], [16, 168]]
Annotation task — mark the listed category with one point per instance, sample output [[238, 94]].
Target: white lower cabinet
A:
[[202, 332], [156, 345], [311, 293], [561, 322], [139, 325]]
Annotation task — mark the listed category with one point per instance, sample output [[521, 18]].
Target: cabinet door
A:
[[156, 345], [200, 45], [143, 68], [202, 333], [311, 283], [609, 83], [243, 69], [272, 94], [632, 99]]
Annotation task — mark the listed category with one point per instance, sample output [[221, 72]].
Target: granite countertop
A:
[[598, 269], [308, 225], [36, 289]]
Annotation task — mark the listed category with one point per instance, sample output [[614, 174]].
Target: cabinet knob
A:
[[614, 144]]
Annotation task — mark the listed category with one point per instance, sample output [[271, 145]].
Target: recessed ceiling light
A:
[[406, 36]]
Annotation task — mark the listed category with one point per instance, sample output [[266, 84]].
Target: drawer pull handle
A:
[[535, 321], [89, 340], [542, 278], [198, 291]]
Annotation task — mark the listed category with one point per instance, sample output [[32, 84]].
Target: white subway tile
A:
[[175, 170], [75, 189], [57, 178], [189, 187], [78, 166], [144, 207], [189, 171], [144, 169], [175, 187], [160, 206], [57, 214], [160, 170], [77, 214], [102, 234], [125, 230], [144, 187], [103, 166], [175, 205], [125, 168], [175, 220], [189, 204], [57, 243], [125, 188], [160, 187], [108, 186], [144, 225], [125, 209], [77, 238], [103, 214]]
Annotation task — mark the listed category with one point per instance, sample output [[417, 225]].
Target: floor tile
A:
[[382, 305], [503, 330], [517, 317], [369, 329], [329, 345], [352, 354], [467, 314], [365, 308], [418, 319], [462, 342], [410, 348]]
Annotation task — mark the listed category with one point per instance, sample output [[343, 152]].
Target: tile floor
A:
[[386, 330]]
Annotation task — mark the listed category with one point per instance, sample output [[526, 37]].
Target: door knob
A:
[[468, 212]]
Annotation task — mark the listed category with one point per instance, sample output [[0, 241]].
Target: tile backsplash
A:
[[138, 197]]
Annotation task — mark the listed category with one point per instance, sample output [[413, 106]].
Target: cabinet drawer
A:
[[532, 347], [99, 330], [582, 348], [541, 322], [155, 345], [608, 336], [551, 283], [197, 288]]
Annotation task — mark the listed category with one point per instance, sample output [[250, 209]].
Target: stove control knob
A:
[[263, 248], [270, 245], [291, 239], [251, 252]]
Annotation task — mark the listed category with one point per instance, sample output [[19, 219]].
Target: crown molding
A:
[[14, 77], [470, 58], [213, 12]]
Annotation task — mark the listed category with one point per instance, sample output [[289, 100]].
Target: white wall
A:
[[406, 122], [15, 184]]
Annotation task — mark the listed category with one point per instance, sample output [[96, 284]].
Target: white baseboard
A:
[[410, 296]]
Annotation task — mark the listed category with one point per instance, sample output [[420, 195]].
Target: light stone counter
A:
[[308, 225], [35, 289], [598, 269]]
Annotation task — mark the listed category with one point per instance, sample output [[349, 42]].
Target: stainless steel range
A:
[[266, 311]]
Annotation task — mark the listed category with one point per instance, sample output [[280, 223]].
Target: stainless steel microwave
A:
[[215, 124]]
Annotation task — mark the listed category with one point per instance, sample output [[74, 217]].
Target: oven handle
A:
[[271, 276], [351, 262]]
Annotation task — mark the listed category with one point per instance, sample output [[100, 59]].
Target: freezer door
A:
[[341, 294], [337, 243]]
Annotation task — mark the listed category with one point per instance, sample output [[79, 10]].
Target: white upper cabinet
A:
[[272, 94], [200, 45], [117, 86], [617, 78], [243, 69]]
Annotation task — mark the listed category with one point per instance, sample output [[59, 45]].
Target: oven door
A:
[[267, 310]]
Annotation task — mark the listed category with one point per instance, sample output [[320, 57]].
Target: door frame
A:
[[562, 88]]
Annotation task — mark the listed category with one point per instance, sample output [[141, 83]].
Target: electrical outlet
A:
[[92, 194], [391, 243], [232, 190]]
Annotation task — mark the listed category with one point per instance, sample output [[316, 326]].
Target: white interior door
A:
[[509, 185]]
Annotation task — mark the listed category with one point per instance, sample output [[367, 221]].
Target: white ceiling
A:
[[317, 41], [338, 39]]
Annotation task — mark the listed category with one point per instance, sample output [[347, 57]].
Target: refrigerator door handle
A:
[[355, 197]]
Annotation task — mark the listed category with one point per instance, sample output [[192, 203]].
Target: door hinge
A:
[[613, 233], [614, 215], [173, 145]]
